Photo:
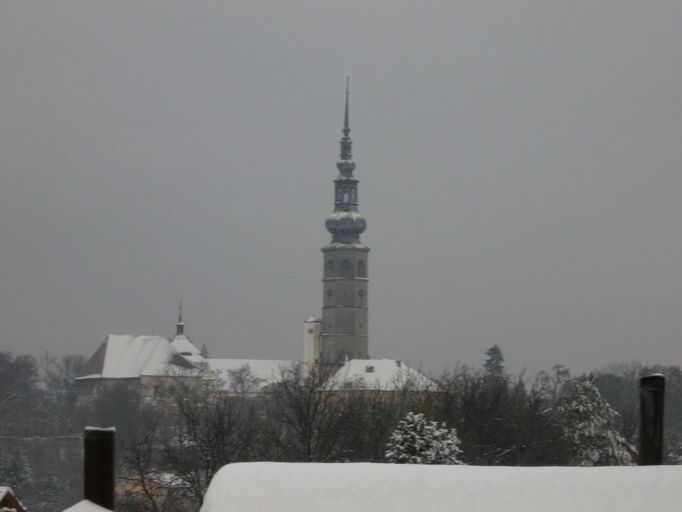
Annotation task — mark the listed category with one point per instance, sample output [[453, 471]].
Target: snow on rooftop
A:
[[282, 487], [86, 506], [264, 371], [379, 374], [124, 356], [187, 349], [4, 490]]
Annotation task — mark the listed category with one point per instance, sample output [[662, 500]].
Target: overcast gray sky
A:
[[520, 167]]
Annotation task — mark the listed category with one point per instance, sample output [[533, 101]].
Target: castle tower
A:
[[344, 310]]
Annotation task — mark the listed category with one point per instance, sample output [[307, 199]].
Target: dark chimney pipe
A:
[[98, 471], [651, 395]]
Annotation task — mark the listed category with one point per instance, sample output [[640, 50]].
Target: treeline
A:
[[171, 445], [40, 445]]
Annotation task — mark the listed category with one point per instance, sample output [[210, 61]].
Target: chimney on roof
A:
[[651, 398], [99, 466]]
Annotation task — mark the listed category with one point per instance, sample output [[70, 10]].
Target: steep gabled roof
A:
[[123, 357], [9, 500]]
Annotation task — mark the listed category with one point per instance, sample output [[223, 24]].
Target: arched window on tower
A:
[[361, 268], [345, 267], [329, 267]]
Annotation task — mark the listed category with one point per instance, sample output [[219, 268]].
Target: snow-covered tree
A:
[[419, 441], [16, 470], [589, 426]]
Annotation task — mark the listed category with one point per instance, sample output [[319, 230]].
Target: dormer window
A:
[[369, 369]]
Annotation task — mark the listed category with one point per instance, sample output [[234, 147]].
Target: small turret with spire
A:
[[180, 325]]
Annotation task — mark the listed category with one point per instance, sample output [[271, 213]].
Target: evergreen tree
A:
[[17, 472], [494, 363], [418, 441], [589, 427]]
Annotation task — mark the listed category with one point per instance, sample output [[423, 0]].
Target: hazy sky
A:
[[520, 168]]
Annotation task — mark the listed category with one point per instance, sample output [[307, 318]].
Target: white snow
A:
[[86, 506], [187, 349], [131, 356], [281, 487], [264, 371], [4, 490], [379, 374]]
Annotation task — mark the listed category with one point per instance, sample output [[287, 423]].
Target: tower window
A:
[[361, 268], [329, 267], [345, 267]]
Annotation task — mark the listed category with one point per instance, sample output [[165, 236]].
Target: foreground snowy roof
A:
[[86, 506], [9, 500], [379, 374], [281, 487], [121, 357]]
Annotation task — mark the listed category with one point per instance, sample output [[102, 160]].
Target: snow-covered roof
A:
[[263, 371], [282, 487], [121, 357], [86, 506], [379, 374], [11, 502], [187, 349]]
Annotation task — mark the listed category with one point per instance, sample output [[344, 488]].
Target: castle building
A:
[[338, 341], [342, 333]]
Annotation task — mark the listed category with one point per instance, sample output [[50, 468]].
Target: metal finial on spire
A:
[[346, 127]]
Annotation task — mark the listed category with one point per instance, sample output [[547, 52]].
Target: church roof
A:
[[124, 356], [379, 374]]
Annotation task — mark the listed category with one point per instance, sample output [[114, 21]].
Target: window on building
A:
[[345, 267], [329, 267], [361, 268]]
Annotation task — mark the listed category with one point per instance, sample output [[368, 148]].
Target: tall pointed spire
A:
[[346, 127], [346, 143], [180, 326]]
